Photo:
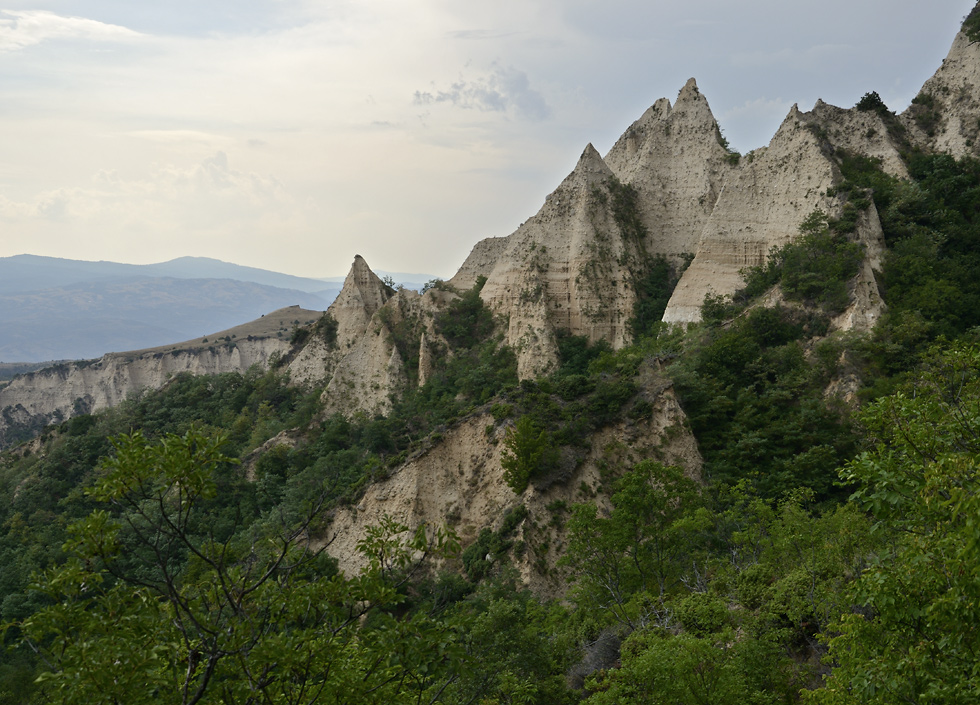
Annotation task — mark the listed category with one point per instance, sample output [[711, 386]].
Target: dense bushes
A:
[[815, 269], [755, 405], [466, 322]]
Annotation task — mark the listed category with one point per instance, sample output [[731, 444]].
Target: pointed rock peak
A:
[[658, 111], [362, 288], [590, 168], [590, 157], [692, 106], [689, 91], [360, 268], [794, 112]]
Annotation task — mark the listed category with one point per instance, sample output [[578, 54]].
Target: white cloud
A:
[[321, 95], [24, 28], [503, 89], [170, 200]]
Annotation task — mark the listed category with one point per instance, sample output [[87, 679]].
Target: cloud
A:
[[503, 89], [211, 189], [24, 28], [480, 34]]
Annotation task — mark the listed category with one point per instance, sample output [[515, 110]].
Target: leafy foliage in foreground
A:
[[156, 602], [915, 636]]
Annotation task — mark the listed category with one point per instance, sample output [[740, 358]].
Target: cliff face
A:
[[944, 116], [674, 158], [571, 266], [765, 200], [564, 268], [361, 370], [57, 393], [459, 481], [761, 207]]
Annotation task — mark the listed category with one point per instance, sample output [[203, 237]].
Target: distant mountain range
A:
[[55, 309]]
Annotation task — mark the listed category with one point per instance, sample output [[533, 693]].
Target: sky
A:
[[293, 134]]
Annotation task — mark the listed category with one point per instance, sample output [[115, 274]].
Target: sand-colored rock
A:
[[866, 305], [459, 481], [362, 295], [57, 393], [569, 266], [481, 261], [363, 368], [674, 158], [954, 94], [860, 132], [564, 268], [760, 208]]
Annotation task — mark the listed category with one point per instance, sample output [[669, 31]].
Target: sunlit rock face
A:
[[945, 117]]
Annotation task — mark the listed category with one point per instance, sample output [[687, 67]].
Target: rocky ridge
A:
[[945, 115], [54, 394]]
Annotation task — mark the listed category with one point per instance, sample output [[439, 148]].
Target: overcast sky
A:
[[293, 134]]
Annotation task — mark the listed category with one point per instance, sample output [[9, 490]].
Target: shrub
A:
[[528, 453], [466, 322]]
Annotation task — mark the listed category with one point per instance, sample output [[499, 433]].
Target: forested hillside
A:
[[818, 546]]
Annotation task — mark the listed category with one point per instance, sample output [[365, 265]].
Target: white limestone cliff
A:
[[57, 393], [562, 269], [760, 208]]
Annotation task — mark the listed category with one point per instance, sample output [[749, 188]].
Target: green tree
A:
[[204, 614], [528, 453], [914, 637], [643, 546]]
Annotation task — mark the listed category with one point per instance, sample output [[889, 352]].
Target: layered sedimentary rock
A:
[[945, 116], [760, 208], [360, 368], [572, 265], [862, 132], [565, 268], [764, 202], [57, 393]]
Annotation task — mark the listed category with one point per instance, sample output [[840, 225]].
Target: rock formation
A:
[[675, 159], [945, 116], [57, 393], [459, 480]]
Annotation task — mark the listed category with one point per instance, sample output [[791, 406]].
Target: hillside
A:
[[702, 429]]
